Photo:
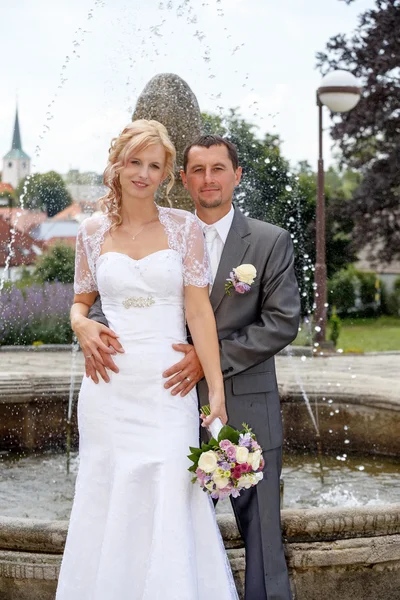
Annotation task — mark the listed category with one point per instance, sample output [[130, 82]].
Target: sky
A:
[[77, 68]]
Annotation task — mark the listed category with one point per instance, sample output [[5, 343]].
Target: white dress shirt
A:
[[215, 236]]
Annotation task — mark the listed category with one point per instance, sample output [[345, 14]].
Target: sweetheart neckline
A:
[[138, 259]]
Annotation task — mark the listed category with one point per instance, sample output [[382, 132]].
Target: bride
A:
[[139, 529]]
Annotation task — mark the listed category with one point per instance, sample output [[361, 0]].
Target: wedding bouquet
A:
[[231, 461]]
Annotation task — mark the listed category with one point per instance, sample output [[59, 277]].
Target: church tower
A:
[[16, 164]]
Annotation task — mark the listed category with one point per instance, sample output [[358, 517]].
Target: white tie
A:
[[211, 236]]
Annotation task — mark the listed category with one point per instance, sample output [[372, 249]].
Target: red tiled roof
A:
[[23, 247], [69, 241], [6, 187], [26, 220], [69, 213]]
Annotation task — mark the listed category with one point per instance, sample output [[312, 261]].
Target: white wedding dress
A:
[[139, 529]]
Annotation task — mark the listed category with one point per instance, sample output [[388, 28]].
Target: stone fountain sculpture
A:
[[168, 99]]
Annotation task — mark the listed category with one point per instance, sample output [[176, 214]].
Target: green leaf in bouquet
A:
[[205, 447], [213, 443], [194, 457], [228, 433], [194, 479], [247, 429], [192, 469], [197, 451]]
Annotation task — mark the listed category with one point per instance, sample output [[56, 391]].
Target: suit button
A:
[[230, 369]]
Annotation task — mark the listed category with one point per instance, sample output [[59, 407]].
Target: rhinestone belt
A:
[[138, 302]]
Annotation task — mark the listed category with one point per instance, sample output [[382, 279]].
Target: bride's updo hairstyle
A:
[[136, 136]]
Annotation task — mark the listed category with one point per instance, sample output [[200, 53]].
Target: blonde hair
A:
[[136, 136]]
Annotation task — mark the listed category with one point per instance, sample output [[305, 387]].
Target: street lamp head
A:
[[340, 91]]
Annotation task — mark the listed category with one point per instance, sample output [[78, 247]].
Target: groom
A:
[[252, 328]]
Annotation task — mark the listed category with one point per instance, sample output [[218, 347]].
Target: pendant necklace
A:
[[145, 225]]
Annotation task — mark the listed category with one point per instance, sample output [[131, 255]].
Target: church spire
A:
[[16, 143], [16, 163]]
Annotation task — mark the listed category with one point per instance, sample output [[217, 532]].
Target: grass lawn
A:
[[364, 335]]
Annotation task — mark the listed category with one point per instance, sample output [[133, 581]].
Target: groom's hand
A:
[[185, 374], [94, 367]]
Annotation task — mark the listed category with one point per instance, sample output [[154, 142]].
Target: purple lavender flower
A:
[[36, 313], [226, 466], [246, 440]]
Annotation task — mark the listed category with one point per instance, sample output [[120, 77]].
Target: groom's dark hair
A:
[[206, 141]]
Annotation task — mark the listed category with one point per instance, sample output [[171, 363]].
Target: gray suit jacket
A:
[[254, 326]]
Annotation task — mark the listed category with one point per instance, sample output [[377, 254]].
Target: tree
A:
[[57, 264], [46, 192], [369, 135], [269, 191]]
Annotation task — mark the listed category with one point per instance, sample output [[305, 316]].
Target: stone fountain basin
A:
[[332, 553], [362, 392]]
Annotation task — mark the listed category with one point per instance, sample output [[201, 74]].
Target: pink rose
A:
[[237, 472], [242, 288], [231, 452], [225, 444]]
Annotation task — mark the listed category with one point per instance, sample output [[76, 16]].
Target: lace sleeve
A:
[[196, 263], [84, 281]]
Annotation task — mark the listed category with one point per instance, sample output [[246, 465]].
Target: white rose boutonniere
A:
[[241, 278]]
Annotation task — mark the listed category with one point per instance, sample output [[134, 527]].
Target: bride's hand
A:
[[217, 408], [88, 333]]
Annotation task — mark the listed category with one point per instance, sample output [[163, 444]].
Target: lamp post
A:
[[340, 92]]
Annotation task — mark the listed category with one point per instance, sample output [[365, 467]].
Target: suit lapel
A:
[[234, 250]]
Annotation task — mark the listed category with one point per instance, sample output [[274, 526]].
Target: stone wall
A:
[[351, 554]]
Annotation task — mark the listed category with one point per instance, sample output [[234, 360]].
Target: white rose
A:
[[242, 454], [208, 461], [220, 482], [259, 476], [245, 482], [255, 459], [246, 273]]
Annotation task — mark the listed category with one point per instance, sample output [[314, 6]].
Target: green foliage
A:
[[228, 433], [335, 324], [44, 191], [342, 290], [57, 264], [339, 187], [269, 191], [393, 299], [367, 287]]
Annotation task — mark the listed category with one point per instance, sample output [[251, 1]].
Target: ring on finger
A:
[[90, 356], [188, 379]]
